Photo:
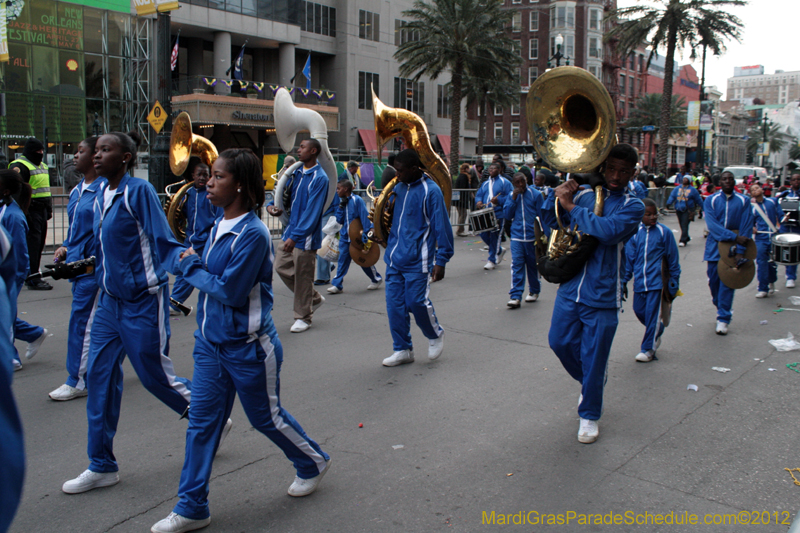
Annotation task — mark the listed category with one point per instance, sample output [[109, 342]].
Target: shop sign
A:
[[148, 7], [63, 31], [258, 117], [157, 117]]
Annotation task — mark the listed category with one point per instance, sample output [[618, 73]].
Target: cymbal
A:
[[736, 278], [365, 255]]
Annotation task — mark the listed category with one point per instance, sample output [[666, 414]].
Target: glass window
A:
[[533, 73], [93, 30], [443, 101], [498, 110], [570, 42], [594, 49], [515, 109], [249, 8], [93, 75], [516, 45], [44, 68], [118, 33], [534, 21], [516, 21], [498, 132], [70, 18], [533, 49], [409, 95], [365, 81], [368, 25], [515, 132], [70, 70], [570, 17], [632, 85], [115, 77], [594, 19], [622, 79]]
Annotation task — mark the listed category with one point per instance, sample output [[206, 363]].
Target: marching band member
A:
[[134, 248], [585, 312], [521, 209], [12, 218], [419, 245], [237, 349], [79, 245], [792, 192], [350, 208], [645, 252], [295, 259], [767, 214], [726, 210], [200, 217], [686, 200], [494, 190]]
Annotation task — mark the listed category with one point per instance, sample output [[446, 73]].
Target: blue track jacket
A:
[[772, 209], [788, 193], [309, 192], [523, 212], [234, 278], [134, 246], [598, 285], [491, 188], [421, 233], [13, 220], [80, 236], [724, 214], [200, 217], [644, 253], [355, 208], [685, 198], [638, 189]]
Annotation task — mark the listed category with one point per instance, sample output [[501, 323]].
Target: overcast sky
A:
[[770, 38]]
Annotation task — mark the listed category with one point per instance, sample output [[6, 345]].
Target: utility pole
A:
[[701, 134], [160, 174]]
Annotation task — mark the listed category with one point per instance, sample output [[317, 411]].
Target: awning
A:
[[444, 141], [368, 138]]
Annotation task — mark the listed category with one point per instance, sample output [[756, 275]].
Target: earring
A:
[[238, 190]]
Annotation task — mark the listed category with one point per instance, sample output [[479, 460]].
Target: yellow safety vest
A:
[[40, 178]]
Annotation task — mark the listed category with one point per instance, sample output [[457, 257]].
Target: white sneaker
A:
[[172, 312], [531, 297], [66, 392], [90, 480], [681, 244], [304, 487], [375, 285], [33, 347], [513, 304], [500, 255], [175, 523], [17, 365], [225, 431], [771, 289], [588, 431], [761, 294], [722, 328], [485, 249], [399, 358], [334, 290], [317, 305], [299, 326], [646, 357], [790, 284], [489, 266], [435, 347]]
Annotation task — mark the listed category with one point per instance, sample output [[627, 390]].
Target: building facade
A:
[[750, 82]]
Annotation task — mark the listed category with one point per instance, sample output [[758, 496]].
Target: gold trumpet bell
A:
[[183, 144]]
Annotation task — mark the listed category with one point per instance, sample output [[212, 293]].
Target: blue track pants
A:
[[767, 270], [492, 240], [139, 329], [220, 373], [647, 306], [85, 294], [721, 294], [21, 330], [344, 266], [791, 270], [581, 337], [523, 261], [408, 293]]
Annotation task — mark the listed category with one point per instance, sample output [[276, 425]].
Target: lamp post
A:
[[764, 129], [558, 56]]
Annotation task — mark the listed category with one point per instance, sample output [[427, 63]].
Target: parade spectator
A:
[[462, 197]]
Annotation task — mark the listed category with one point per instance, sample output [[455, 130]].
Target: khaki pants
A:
[[297, 269]]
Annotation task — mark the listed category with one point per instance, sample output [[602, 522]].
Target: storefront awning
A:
[[444, 141], [368, 138]]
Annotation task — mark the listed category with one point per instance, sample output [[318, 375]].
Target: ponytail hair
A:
[[130, 143]]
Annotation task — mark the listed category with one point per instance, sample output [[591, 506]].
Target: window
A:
[[515, 132], [533, 73], [316, 18], [365, 81], [632, 62], [594, 48], [570, 41], [443, 101], [515, 110], [516, 1], [498, 132], [516, 21], [403, 35], [409, 95], [622, 79], [570, 17], [568, 48], [595, 71], [632, 85], [369, 25], [516, 46], [498, 110], [594, 19], [534, 21], [533, 49]]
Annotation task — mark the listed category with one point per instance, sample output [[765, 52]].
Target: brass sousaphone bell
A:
[[183, 144]]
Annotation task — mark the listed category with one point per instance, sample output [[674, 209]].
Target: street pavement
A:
[[488, 428]]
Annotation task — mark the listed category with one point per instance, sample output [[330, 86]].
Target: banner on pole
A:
[[693, 116]]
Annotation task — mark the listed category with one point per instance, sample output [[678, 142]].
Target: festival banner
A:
[[693, 116]]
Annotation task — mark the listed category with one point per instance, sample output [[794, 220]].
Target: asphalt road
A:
[[489, 427]]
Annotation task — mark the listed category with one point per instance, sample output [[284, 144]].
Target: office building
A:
[[751, 82]]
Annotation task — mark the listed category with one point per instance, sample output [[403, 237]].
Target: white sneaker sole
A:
[[316, 485], [107, 481]]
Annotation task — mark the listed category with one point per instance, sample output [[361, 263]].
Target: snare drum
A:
[[791, 211], [482, 220], [785, 248]]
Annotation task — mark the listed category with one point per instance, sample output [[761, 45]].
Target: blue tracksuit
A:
[[724, 214], [355, 209], [791, 270], [585, 313], [638, 189], [12, 447], [13, 220], [645, 253], [421, 236], [80, 244], [309, 193], [489, 189], [767, 270], [685, 198], [200, 217], [522, 213], [134, 248], [237, 350]]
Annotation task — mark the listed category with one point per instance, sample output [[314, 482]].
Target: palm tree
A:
[[456, 36], [646, 111], [674, 25], [794, 151], [484, 90], [776, 138]]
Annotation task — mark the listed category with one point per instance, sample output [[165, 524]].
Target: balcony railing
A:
[[248, 88]]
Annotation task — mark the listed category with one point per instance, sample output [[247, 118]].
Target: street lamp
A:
[[764, 129], [96, 125], [558, 56]]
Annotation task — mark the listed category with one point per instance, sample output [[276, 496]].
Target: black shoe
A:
[[39, 285], [321, 282]]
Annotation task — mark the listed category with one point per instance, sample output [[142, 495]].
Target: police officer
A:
[[36, 173]]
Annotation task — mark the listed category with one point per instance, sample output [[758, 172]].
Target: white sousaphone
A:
[[289, 121]]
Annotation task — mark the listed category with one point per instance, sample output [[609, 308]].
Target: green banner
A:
[[123, 6]]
